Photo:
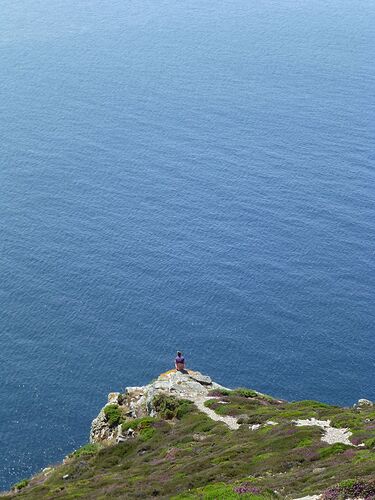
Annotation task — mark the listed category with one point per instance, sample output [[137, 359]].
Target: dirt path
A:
[[231, 422], [331, 435]]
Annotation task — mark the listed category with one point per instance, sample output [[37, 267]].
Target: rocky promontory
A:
[[137, 402]]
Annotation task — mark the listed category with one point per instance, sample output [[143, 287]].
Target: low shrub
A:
[[261, 457], [351, 488], [198, 422], [169, 407], [210, 402], [138, 424], [370, 443], [147, 433], [245, 393], [183, 409], [364, 456], [334, 449], [308, 403], [217, 393], [113, 414], [215, 491], [304, 443], [244, 419], [247, 488], [347, 420], [20, 484], [87, 449]]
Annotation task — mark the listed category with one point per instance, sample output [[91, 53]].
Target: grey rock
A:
[[202, 379], [363, 403]]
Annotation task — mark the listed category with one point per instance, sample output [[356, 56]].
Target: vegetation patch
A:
[[364, 455], [217, 393], [21, 484], [305, 442], [138, 424], [113, 414], [351, 488], [370, 443], [245, 393], [86, 450], [334, 449], [245, 490], [168, 407], [192, 456]]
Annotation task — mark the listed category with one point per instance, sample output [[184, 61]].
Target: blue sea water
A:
[[195, 175]]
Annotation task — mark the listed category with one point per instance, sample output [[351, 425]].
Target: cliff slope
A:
[[184, 436]]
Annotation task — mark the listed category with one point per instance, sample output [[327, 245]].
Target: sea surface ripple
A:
[[195, 175]]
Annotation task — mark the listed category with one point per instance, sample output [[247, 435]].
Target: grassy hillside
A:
[[183, 454]]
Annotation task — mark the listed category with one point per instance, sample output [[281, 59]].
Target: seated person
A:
[[180, 362]]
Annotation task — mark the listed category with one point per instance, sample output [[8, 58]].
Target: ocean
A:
[[190, 175]]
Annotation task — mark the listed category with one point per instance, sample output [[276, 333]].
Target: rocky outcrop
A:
[[363, 403], [137, 402]]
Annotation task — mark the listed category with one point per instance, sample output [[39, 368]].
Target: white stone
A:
[[331, 434], [255, 427]]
